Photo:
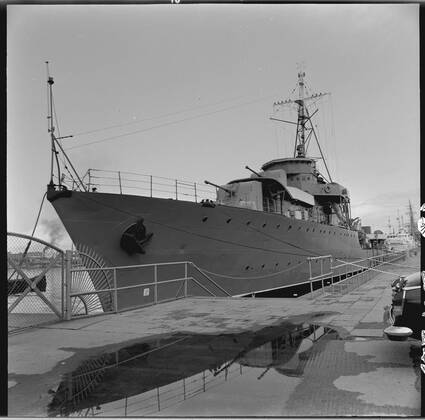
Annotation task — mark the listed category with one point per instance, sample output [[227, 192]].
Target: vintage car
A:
[[406, 312]]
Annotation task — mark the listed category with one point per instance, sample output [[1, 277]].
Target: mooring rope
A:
[[251, 278]]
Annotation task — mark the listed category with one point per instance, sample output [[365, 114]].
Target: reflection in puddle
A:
[[147, 377]]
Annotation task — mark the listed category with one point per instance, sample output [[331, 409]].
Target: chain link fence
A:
[[35, 287]]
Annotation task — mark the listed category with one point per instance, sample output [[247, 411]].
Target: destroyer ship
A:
[[256, 235]]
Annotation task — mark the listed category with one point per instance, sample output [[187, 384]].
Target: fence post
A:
[[151, 184], [176, 191], [119, 180], [155, 279], [89, 180], [68, 277], [185, 279], [115, 291], [311, 281], [196, 197]]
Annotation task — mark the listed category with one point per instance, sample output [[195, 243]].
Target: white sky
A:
[[120, 63]]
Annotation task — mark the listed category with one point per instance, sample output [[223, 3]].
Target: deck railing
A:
[[133, 183], [186, 280], [346, 276]]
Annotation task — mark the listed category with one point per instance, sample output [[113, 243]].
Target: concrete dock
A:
[[362, 373]]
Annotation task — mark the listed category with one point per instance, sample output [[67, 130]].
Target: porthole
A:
[[277, 226], [228, 220], [263, 265], [289, 262], [247, 267], [264, 225], [248, 223], [299, 227], [289, 227], [276, 264], [204, 219]]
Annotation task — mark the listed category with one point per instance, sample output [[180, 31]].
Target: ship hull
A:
[[241, 250]]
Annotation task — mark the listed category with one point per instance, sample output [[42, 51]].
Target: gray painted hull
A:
[[242, 250]]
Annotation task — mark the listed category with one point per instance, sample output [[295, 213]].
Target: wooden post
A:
[[196, 197]]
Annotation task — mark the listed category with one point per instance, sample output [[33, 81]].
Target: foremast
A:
[[56, 146], [300, 139]]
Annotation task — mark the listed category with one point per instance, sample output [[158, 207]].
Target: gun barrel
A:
[[218, 186], [252, 170]]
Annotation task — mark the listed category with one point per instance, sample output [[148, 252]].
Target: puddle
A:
[[155, 376]]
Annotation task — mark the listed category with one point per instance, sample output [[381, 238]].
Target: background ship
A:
[[255, 236]]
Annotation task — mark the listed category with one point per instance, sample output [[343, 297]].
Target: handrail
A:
[[364, 259], [210, 279], [124, 267], [205, 288], [112, 289], [148, 184]]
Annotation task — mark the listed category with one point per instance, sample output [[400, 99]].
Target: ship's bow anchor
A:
[[135, 238]]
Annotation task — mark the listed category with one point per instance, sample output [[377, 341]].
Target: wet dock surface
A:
[[311, 356]]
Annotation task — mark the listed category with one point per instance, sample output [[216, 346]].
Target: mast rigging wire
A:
[[169, 123], [155, 117]]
